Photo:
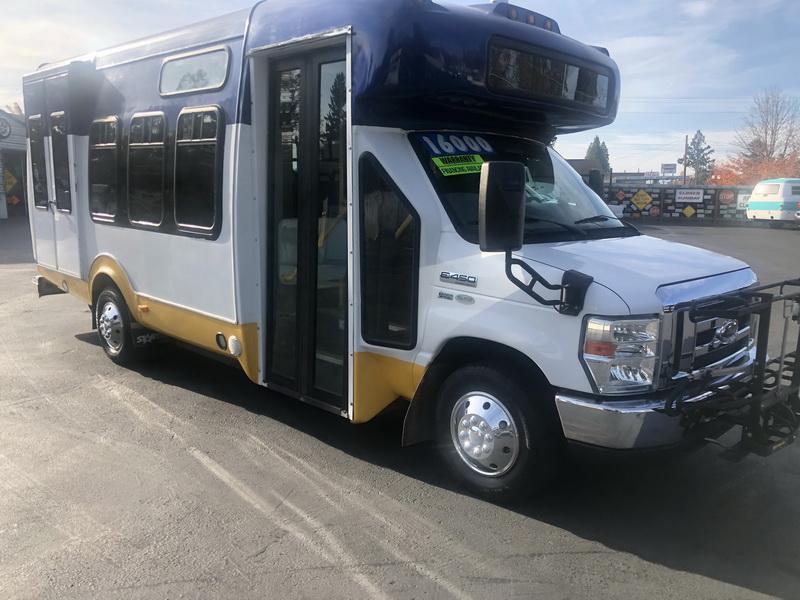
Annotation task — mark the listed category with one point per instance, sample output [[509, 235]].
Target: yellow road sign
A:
[[641, 199], [11, 181]]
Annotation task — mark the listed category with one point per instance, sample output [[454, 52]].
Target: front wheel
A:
[[500, 441]]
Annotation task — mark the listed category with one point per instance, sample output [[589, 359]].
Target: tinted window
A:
[[103, 152], [193, 73], [146, 170], [536, 76], [390, 232], [39, 172], [58, 138], [197, 172], [796, 190]]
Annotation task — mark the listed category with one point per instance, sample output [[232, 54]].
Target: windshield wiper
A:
[[604, 218], [598, 219], [567, 226]]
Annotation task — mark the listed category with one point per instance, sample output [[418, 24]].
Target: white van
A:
[[775, 200]]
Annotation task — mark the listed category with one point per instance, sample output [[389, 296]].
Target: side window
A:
[[796, 190], [195, 72], [390, 234], [198, 175], [146, 170], [103, 153], [38, 169], [58, 138]]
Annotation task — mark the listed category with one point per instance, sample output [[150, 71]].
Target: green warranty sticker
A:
[[465, 164]]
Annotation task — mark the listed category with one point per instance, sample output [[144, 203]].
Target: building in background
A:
[[12, 165]]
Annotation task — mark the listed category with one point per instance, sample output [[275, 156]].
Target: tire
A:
[[114, 326], [509, 415]]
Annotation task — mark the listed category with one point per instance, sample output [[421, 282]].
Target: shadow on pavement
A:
[[735, 523], [15, 241]]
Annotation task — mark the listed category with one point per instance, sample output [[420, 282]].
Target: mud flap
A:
[[47, 288]]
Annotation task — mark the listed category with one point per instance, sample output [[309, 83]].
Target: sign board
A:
[[742, 201], [669, 168], [620, 195], [689, 212], [641, 200], [689, 196], [726, 196]]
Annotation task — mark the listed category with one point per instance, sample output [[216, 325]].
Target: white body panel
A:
[[195, 273]]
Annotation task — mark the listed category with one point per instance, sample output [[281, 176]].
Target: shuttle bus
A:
[[775, 200], [358, 204]]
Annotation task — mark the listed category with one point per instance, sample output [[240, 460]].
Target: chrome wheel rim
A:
[[484, 434], [109, 324]]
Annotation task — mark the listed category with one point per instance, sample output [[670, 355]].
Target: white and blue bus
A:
[[357, 203], [775, 200]]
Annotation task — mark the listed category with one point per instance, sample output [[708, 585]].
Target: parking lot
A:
[[182, 479]]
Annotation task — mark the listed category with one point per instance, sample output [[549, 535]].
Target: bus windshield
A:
[[559, 205]]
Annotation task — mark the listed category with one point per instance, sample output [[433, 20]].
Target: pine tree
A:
[[698, 157], [598, 151]]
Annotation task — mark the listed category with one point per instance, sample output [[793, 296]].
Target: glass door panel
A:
[[283, 357], [330, 351]]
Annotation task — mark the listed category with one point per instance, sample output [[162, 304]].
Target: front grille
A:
[[709, 341]]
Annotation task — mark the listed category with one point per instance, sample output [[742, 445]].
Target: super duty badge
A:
[[459, 278]]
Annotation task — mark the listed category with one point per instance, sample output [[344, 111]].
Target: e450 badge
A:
[[459, 278]]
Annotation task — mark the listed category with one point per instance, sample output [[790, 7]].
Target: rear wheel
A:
[[114, 326], [498, 440]]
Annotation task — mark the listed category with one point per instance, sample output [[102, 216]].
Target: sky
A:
[[685, 64]]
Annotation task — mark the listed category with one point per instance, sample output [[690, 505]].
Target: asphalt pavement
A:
[[180, 478]]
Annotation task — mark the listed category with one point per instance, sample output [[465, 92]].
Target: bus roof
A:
[[780, 180], [416, 63]]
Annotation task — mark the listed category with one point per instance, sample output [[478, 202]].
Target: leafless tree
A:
[[771, 131]]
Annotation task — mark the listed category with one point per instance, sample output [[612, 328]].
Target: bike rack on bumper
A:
[[766, 404]]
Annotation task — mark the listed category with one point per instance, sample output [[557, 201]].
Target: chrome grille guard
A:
[[765, 403]]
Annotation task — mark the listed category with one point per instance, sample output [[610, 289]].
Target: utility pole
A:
[[685, 154]]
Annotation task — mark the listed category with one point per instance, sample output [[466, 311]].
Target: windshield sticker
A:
[[466, 164], [445, 144]]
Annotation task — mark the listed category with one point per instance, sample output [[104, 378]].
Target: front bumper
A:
[[636, 423]]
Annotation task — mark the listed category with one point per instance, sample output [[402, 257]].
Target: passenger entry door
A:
[[54, 216], [307, 306]]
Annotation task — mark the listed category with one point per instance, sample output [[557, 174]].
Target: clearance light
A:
[[523, 15]]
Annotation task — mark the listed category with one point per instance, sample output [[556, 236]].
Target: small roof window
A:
[[196, 72]]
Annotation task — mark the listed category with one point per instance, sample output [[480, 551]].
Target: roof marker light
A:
[[522, 15]]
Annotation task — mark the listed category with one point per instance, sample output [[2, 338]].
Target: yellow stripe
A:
[[175, 321], [380, 380], [77, 287]]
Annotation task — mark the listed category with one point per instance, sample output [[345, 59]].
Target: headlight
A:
[[621, 354]]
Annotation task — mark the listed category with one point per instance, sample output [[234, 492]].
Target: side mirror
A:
[[501, 206]]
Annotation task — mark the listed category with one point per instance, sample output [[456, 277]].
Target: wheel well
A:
[[101, 282], [421, 416]]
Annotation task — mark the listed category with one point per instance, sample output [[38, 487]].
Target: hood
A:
[[634, 267]]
